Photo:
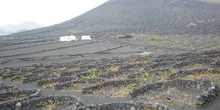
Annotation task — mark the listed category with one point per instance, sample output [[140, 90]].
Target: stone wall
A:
[[182, 73], [69, 83], [89, 90], [211, 90], [24, 104], [21, 93], [122, 106], [6, 88], [207, 96], [55, 80]]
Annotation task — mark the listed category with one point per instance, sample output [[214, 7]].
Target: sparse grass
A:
[[164, 76], [80, 85], [91, 69], [119, 36], [210, 76], [58, 71], [146, 53], [62, 69], [14, 96], [149, 108], [75, 32], [55, 73], [90, 76], [158, 76], [122, 36], [118, 92], [217, 58], [193, 65], [49, 85], [146, 76], [173, 70], [210, 1], [118, 77], [212, 20], [112, 68], [216, 79], [156, 38], [17, 79], [123, 92], [173, 97], [200, 21], [75, 68], [77, 85], [145, 61], [49, 105], [134, 85]]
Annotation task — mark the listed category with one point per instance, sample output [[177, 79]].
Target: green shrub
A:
[[146, 76], [156, 38], [145, 53], [75, 32], [90, 76], [119, 36]]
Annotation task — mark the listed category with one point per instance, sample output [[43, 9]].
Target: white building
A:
[[87, 37], [68, 38]]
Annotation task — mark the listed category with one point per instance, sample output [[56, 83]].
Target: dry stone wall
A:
[[119, 74]]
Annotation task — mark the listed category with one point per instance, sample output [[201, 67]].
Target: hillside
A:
[[143, 17], [2, 32], [11, 28], [143, 55]]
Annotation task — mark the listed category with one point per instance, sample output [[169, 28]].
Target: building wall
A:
[[67, 38], [86, 37]]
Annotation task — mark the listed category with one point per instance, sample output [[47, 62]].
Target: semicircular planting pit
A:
[[163, 82]]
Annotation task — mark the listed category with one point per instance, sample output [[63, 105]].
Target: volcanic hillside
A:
[[143, 55], [194, 17]]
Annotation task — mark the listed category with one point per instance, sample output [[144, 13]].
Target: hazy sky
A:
[[44, 12]]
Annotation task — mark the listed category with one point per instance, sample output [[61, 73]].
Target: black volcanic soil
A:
[[182, 17], [118, 76], [42, 63]]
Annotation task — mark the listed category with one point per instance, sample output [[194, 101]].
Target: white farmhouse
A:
[[68, 38], [86, 37]]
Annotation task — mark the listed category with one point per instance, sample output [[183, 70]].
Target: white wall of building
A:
[[87, 37], [67, 38]]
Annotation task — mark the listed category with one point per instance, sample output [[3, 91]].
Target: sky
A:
[[44, 12]]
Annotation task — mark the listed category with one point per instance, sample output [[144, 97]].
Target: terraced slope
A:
[[170, 59], [143, 17], [183, 81]]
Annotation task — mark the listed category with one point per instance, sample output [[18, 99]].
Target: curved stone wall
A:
[[38, 102], [123, 106], [211, 90]]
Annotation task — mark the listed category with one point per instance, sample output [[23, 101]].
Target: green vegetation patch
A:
[[122, 36], [158, 76], [156, 38], [93, 75], [173, 97], [146, 53], [75, 32], [210, 1]]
